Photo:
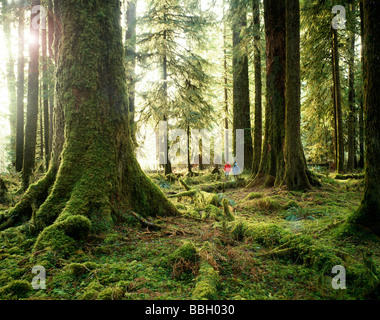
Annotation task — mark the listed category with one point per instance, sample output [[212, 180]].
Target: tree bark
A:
[[20, 91], [368, 214], [51, 28], [241, 103], [130, 48], [32, 107], [45, 95], [98, 175], [338, 101], [272, 165], [11, 78], [296, 176], [361, 110], [257, 144], [351, 99]]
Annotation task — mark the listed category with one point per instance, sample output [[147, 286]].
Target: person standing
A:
[[227, 169]]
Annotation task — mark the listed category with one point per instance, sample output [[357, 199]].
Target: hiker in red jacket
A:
[[227, 169]]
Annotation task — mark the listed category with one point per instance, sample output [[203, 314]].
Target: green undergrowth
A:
[[252, 244]]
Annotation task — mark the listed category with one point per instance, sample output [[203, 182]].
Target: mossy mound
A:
[[207, 283], [187, 252], [64, 235], [79, 269], [267, 203], [17, 289], [253, 195], [212, 212], [111, 293]]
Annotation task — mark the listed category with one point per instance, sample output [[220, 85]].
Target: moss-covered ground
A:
[[280, 245]]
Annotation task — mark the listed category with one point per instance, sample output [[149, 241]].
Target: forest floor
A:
[[279, 245]]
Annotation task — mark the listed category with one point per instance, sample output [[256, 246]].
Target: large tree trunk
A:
[[98, 174], [32, 107], [296, 173], [257, 144], [368, 214], [130, 48], [241, 103], [20, 92], [338, 102], [272, 165], [351, 99]]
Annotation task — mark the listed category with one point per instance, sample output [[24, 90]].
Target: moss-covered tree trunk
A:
[[241, 103], [32, 104], [368, 214], [257, 140], [98, 173], [20, 91], [272, 165], [296, 177]]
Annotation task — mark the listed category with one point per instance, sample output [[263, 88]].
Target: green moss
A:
[[55, 239], [79, 269], [17, 289], [187, 252], [253, 195], [207, 283], [227, 213], [291, 204], [267, 203], [238, 230], [212, 212], [111, 293], [180, 206]]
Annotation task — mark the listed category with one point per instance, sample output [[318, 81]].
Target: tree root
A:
[[146, 222], [33, 197]]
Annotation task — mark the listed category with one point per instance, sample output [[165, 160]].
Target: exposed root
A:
[[33, 197]]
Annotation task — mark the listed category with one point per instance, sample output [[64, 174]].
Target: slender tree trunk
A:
[[361, 110], [241, 103], [11, 78], [338, 101], [32, 107], [296, 176], [20, 92], [226, 149], [45, 95], [130, 49], [188, 150], [351, 99], [368, 214], [167, 166], [257, 144], [41, 123], [51, 28]]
